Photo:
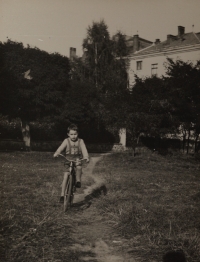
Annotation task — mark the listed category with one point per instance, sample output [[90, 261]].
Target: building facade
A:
[[152, 59]]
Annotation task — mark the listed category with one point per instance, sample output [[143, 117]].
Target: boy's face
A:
[[73, 135]]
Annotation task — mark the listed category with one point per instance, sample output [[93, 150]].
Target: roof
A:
[[142, 43], [172, 43], [130, 38]]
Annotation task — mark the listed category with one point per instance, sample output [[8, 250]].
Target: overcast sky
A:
[[57, 25]]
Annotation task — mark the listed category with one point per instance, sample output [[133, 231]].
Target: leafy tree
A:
[[104, 60], [34, 84], [97, 45], [183, 83], [104, 55], [79, 70], [78, 103], [150, 110], [167, 105], [120, 49]]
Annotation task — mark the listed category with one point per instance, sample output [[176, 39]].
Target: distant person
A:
[[174, 256], [75, 149]]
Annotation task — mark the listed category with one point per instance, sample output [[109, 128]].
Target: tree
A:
[[103, 55], [149, 112], [78, 102], [183, 83], [97, 44], [34, 84], [104, 60], [167, 105]]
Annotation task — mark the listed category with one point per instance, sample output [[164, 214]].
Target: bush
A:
[[41, 131], [11, 145], [10, 130]]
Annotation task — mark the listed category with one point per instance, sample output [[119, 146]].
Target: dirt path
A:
[[92, 236]]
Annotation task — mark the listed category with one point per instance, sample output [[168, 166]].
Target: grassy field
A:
[[152, 200], [33, 225]]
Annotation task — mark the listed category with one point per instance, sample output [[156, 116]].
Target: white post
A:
[[122, 136], [25, 128]]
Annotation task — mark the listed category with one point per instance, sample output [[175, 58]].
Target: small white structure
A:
[[122, 136]]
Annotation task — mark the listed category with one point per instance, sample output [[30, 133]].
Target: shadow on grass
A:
[[96, 193], [83, 256], [174, 256]]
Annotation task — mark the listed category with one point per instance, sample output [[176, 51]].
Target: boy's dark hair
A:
[[72, 127]]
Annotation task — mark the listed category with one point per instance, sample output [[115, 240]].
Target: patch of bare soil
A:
[[92, 236]]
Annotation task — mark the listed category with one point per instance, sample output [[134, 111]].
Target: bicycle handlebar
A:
[[70, 160]]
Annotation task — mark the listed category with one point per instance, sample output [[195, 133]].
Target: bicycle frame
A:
[[70, 183]]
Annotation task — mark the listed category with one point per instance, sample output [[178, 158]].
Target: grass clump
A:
[[154, 202]]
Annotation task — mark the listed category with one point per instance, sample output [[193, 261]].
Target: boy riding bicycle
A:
[[75, 149]]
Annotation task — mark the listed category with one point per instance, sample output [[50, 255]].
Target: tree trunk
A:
[[196, 143], [138, 139], [188, 141], [184, 140], [25, 128]]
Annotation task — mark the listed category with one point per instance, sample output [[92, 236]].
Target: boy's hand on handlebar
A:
[[87, 160], [78, 161]]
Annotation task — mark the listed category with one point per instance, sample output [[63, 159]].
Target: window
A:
[[154, 69], [139, 65]]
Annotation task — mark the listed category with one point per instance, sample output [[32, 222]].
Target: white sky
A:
[[57, 25]]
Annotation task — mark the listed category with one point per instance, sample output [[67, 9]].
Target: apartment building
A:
[[151, 60]]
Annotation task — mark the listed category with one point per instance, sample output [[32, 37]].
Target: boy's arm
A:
[[61, 148], [84, 150]]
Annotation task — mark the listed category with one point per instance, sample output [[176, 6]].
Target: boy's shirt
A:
[[65, 145]]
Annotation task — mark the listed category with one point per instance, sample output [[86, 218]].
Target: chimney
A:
[[135, 43], [181, 30], [157, 41], [72, 53], [170, 38]]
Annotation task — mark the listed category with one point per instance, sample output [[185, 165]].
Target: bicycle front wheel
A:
[[68, 192]]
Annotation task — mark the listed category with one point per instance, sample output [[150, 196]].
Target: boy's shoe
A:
[[78, 184], [61, 199]]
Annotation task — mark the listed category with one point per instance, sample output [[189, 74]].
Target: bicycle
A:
[[70, 186]]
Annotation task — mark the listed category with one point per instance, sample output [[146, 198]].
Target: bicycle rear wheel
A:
[[68, 191]]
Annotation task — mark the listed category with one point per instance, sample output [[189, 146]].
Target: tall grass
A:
[[33, 225], [154, 201]]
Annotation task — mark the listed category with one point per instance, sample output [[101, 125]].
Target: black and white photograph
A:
[[99, 130]]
